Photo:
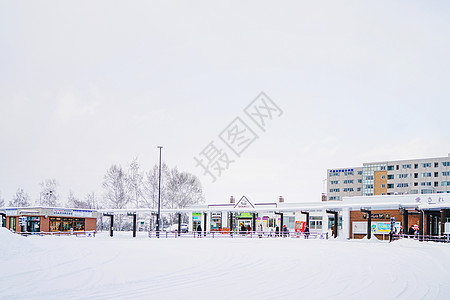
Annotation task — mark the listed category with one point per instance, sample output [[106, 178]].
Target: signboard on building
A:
[[359, 228], [62, 212], [377, 216], [216, 215], [432, 199], [383, 227], [244, 203], [80, 213], [22, 221]]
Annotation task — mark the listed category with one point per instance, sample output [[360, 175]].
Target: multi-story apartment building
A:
[[415, 176]]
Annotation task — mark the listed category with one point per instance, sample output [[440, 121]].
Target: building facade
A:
[[48, 219], [429, 214], [399, 177]]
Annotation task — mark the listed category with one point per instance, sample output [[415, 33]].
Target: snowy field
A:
[[285, 268]]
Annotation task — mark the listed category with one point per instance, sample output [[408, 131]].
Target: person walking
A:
[[306, 232], [242, 228], [199, 231], [411, 231], [285, 231], [277, 231]]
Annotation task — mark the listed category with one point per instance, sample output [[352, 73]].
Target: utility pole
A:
[[158, 216]]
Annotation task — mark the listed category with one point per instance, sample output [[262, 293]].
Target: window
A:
[[359, 172], [12, 223], [358, 189], [397, 166], [315, 222], [425, 183], [445, 183], [383, 176], [359, 180], [446, 163], [369, 177], [334, 190], [334, 198], [390, 168], [436, 164], [369, 186], [383, 186], [391, 176], [348, 181], [426, 174], [78, 224], [436, 183], [402, 175], [416, 183], [436, 174], [416, 166], [55, 224], [334, 181], [414, 191], [402, 185], [408, 166], [416, 175], [334, 174], [447, 173], [348, 189], [426, 165], [426, 191], [349, 173], [390, 185]]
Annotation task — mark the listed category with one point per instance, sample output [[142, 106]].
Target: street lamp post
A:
[[158, 216]]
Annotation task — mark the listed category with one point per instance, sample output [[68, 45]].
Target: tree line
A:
[[123, 188]]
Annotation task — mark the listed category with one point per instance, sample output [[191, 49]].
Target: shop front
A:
[[380, 223], [196, 220], [216, 221], [40, 219]]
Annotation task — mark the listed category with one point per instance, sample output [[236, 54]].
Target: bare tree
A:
[[114, 185], [184, 189], [151, 185], [75, 202], [178, 189], [20, 199], [91, 201], [135, 183], [49, 193]]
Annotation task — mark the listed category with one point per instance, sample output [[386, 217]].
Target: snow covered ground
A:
[[286, 268]]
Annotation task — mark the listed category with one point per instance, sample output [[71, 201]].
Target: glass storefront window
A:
[[55, 224], [78, 224], [12, 223], [67, 223], [33, 224]]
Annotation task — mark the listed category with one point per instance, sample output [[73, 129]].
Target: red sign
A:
[[300, 226]]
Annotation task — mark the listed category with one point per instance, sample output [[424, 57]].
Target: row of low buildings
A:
[[429, 213], [381, 195]]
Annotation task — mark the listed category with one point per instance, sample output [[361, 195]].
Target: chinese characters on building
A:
[[232, 142]]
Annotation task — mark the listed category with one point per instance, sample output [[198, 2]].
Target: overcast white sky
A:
[[86, 84]]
